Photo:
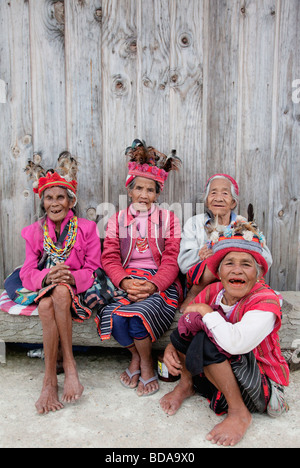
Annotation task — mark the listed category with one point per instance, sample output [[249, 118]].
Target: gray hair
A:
[[132, 185], [233, 192], [259, 268]]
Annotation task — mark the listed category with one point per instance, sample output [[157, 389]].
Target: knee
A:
[[45, 308], [61, 297]]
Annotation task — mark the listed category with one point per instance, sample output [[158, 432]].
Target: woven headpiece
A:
[[240, 236], [149, 163], [64, 175]]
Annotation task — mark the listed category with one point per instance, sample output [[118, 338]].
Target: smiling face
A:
[[219, 200], [143, 193], [238, 274], [57, 204]]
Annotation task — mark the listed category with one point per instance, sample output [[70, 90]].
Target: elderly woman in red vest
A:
[[140, 257], [226, 345], [62, 253]]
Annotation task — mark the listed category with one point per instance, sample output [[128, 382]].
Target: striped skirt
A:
[[156, 312], [253, 383]]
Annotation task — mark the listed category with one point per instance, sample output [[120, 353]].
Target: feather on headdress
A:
[[146, 161], [65, 174]]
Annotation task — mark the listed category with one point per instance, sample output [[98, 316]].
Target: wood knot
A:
[[91, 214], [98, 15], [27, 140], [185, 40], [59, 12], [119, 85], [147, 82], [16, 151]]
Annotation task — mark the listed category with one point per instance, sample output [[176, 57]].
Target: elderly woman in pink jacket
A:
[[140, 257], [62, 254]]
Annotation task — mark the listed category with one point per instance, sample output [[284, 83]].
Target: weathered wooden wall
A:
[[212, 78]]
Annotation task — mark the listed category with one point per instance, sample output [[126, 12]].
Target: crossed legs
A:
[[54, 312]]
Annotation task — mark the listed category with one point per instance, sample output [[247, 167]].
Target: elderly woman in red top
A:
[[140, 257], [62, 253], [226, 345]]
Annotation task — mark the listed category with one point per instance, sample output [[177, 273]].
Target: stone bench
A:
[[22, 329]]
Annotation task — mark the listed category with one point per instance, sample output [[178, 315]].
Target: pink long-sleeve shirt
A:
[[84, 259]]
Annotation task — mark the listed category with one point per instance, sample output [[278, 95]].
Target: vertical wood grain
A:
[[209, 78], [254, 126], [15, 133], [84, 98], [186, 101], [48, 79], [119, 95], [285, 160]]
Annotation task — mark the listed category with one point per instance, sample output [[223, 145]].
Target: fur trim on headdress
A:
[[241, 236], [65, 174], [150, 163]]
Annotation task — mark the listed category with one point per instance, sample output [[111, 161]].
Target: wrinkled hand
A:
[[202, 309], [60, 273], [172, 361], [205, 252], [138, 290]]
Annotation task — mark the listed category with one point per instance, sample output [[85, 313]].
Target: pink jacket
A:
[[84, 259], [164, 241]]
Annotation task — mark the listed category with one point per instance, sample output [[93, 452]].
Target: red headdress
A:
[[149, 163]]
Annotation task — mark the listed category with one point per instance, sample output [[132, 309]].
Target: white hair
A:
[[233, 192]]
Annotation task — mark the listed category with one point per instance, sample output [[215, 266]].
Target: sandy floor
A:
[[110, 416]]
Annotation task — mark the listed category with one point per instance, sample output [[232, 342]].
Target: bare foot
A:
[[73, 389], [147, 372], [134, 366], [48, 400], [232, 429], [172, 401]]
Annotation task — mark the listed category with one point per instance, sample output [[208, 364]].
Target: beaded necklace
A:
[[61, 254]]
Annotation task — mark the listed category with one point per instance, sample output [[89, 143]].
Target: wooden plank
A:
[[186, 102], [119, 78], [83, 94], [285, 161], [15, 133], [153, 69], [256, 80], [222, 37], [21, 329], [48, 79]]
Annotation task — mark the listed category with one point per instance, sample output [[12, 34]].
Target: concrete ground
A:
[[111, 416]]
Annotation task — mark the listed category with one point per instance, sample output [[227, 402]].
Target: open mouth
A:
[[237, 281]]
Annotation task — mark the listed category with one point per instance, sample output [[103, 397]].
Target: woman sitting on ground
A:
[[140, 257], [62, 253], [226, 346], [220, 201]]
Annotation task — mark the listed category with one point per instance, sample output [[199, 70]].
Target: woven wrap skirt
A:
[[79, 310], [156, 312]]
